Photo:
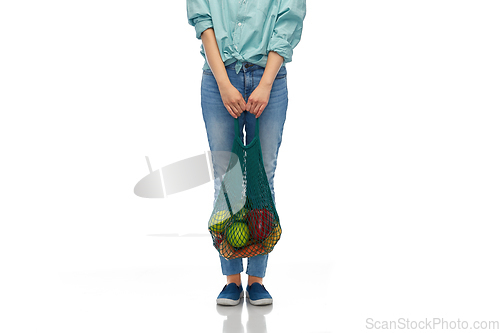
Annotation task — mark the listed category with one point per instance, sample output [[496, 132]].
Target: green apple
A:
[[238, 234]]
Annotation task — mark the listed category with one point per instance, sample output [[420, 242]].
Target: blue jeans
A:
[[220, 132]]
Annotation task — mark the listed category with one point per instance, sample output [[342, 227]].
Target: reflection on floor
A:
[[177, 293], [256, 322]]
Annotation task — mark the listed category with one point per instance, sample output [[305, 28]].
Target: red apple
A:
[[260, 223]]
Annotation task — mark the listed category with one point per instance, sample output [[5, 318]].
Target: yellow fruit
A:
[[218, 221], [273, 238]]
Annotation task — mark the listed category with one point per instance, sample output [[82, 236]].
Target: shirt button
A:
[[239, 24]]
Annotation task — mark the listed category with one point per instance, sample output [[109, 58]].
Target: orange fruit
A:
[[249, 251], [225, 249], [272, 239]]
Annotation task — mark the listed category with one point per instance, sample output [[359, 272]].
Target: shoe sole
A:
[[262, 301], [228, 301]]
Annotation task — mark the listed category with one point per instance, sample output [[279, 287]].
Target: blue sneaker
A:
[[258, 295], [230, 294]]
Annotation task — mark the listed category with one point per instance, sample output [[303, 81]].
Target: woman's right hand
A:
[[232, 99]]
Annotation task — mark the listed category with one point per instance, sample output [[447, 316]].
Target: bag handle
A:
[[237, 127]]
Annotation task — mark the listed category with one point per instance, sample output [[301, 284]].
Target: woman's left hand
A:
[[258, 100]]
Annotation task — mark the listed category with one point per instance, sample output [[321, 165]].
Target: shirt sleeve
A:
[[198, 14], [288, 28]]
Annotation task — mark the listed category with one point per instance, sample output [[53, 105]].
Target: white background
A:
[[387, 180]]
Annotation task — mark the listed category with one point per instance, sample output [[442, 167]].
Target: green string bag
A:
[[244, 221]]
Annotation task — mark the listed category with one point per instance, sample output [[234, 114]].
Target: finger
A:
[[236, 109], [248, 106], [261, 109], [251, 103], [256, 108], [228, 107], [242, 105]]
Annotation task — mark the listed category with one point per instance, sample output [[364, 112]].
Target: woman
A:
[[245, 44]]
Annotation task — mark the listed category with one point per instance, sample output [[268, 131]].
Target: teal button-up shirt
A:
[[246, 30]]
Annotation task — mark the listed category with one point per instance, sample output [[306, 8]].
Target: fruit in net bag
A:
[[237, 234], [241, 215], [272, 239], [218, 221], [260, 223]]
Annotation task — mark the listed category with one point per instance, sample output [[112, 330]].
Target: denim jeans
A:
[[220, 132]]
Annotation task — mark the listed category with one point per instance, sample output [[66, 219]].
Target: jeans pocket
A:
[[281, 73]]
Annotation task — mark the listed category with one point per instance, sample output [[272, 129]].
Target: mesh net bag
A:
[[244, 222]]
